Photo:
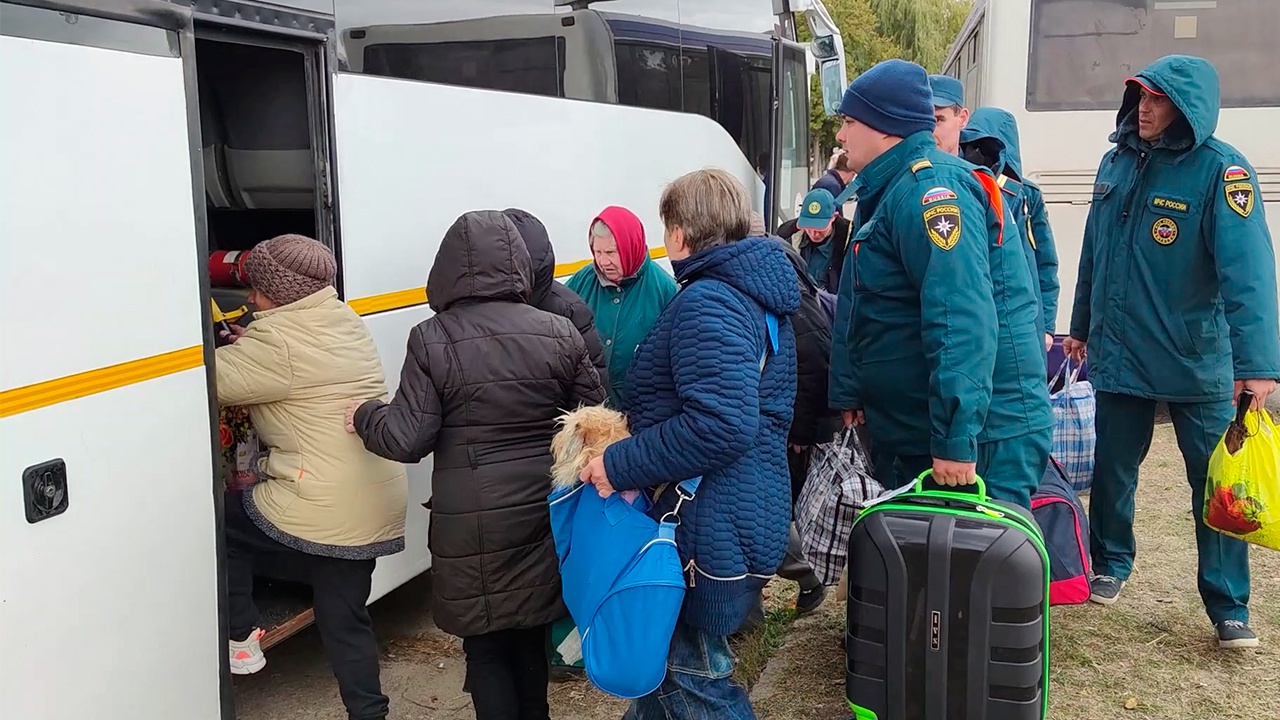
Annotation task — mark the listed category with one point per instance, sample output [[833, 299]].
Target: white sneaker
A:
[[247, 657]]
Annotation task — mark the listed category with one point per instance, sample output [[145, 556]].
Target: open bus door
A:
[[789, 149]]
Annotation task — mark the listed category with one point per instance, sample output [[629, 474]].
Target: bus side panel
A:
[[109, 610], [412, 157]]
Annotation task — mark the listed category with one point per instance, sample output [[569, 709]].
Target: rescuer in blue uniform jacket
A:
[[941, 354], [991, 140], [1176, 301]]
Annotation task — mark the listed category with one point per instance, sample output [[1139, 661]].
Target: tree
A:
[[864, 46], [923, 29], [874, 30]]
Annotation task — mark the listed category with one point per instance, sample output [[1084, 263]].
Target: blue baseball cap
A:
[[816, 211], [947, 91]]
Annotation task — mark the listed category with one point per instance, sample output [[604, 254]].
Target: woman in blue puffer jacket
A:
[[701, 404]]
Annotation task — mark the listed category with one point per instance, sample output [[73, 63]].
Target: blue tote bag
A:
[[622, 582]]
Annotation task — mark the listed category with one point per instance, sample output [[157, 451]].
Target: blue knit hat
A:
[[892, 97]]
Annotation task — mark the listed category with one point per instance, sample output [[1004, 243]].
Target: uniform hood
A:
[[756, 266], [1192, 84], [482, 257], [541, 253], [992, 133]]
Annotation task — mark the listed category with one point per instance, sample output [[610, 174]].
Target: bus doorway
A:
[[265, 152]]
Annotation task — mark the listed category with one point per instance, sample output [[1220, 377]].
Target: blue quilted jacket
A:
[[699, 405]]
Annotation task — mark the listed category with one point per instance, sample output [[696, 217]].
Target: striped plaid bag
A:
[[1074, 433], [839, 483]]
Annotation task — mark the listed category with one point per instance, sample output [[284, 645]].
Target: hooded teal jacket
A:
[[1176, 295], [991, 140], [935, 336]]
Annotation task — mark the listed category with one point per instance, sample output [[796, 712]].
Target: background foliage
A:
[[873, 30]]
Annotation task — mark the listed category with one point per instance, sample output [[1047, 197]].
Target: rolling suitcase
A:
[[948, 609]]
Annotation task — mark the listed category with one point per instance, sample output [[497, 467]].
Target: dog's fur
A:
[[584, 434]]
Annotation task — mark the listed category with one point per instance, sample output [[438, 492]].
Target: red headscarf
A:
[[628, 231]]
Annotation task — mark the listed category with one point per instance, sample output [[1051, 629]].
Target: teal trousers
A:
[[1125, 424]]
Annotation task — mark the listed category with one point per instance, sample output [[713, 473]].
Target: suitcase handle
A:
[[962, 490]]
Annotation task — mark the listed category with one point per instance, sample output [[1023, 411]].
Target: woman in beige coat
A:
[[322, 499]]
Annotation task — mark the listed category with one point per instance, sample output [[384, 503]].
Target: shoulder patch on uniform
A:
[[942, 223], [1235, 173], [937, 194], [1240, 197], [1164, 231], [920, 165]]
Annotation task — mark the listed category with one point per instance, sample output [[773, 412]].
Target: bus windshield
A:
[[1082, 50]]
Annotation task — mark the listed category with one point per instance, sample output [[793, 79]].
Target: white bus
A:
[[1060, 65], [137, 137]]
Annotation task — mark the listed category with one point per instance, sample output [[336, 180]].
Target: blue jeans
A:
[[698, 684]]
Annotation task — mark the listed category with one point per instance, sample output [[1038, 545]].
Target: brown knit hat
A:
[[290, 267]]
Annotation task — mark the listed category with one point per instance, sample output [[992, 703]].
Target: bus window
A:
[[1082, 50], [648, 75], [528, 65]]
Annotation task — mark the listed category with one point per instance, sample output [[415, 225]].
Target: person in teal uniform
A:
[[1175, 302], [949, 113], [991, 141], [824, 239], [624, 288], [941, 356]]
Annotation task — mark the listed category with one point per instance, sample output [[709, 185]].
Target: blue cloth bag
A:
[[623, 584], [622, 579], [1075, 435]]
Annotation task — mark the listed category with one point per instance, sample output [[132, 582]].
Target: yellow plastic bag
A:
[[1242, 495]]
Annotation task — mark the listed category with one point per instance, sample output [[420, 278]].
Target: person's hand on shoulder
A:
[[352, 407]]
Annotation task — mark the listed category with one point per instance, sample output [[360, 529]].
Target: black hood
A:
[[481, 257], [541, 253]]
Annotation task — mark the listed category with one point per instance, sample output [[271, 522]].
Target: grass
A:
[[754, 649], [1150, 656]]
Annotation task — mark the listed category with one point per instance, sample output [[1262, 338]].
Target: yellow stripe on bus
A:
[[400, 299], [92, 382], [60, 390]]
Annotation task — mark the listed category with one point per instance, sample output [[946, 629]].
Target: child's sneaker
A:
[[247, 657]]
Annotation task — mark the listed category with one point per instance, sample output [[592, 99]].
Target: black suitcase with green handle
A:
[[948, 609]]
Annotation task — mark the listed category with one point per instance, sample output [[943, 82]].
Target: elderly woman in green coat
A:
[[624, 288]]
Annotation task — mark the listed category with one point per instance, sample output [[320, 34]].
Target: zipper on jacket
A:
[[1133, 187], [694, 571]]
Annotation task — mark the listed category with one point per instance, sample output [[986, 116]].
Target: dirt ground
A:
[[1150, 656]]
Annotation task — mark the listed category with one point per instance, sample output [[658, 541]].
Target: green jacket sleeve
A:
[[944, 249], [1046, 257], [842, 390], [1246, 266]]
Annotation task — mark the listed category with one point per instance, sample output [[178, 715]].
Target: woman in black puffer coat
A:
[[484, 380], [552, 296]]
